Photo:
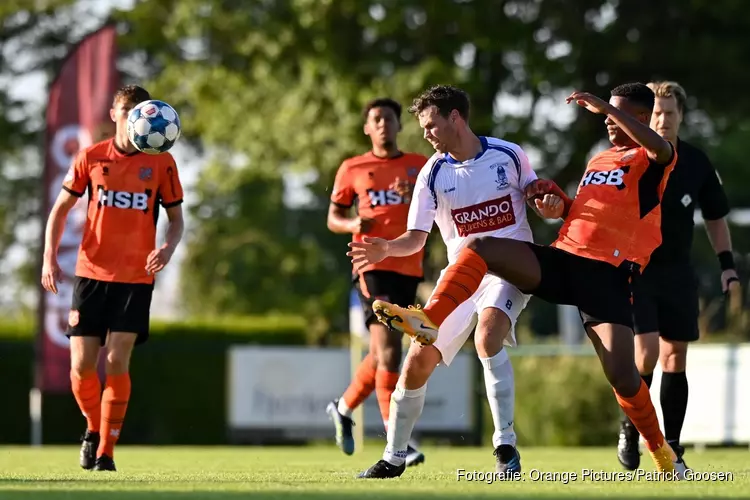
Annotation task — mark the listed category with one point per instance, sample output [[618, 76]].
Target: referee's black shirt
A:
[[693, 180]]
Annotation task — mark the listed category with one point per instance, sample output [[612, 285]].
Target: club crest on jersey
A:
[[412, 171], [502, 178], [145, 173]]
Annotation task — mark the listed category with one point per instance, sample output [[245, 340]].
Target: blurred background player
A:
[[471, 186], [114, 276], [380, 183], [610, 230], [666, 294]]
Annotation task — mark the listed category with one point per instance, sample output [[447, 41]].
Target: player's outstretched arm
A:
[[373, 250], [658, 149], [53, 232]]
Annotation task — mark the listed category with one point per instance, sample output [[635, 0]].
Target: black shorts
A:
[[665, 300], [600, 291], [100, 307], [390, 286]]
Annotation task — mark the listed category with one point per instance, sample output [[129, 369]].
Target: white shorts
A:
[[492, 292]]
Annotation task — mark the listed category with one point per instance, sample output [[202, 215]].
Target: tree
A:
[[276, 86]]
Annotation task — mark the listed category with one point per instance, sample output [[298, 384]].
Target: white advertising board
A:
[[288, 388], [718, 410]]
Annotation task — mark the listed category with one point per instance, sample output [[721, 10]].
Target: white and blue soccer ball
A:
[[153, 127]]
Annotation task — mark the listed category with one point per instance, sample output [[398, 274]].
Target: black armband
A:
[[726, 260]]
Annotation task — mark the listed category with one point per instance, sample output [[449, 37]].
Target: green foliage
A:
[[563, 401], [277, 87], [179, 391], [268, 88], [178, 378]]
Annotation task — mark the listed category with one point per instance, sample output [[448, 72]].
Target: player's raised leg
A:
[[461, 280], [87, 390]]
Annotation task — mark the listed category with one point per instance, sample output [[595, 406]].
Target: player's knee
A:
[[481, 245], [419, 364], [492, 330], [389, 357], [674, 357], [646, 360], [80, 367], [625, 379], [118, 362], [646, 352], [84, 354]]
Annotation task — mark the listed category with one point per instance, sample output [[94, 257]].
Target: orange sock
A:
[[385, 384], [459, 282], [362, 385], [114, 405], [88, 393], [642, 413]]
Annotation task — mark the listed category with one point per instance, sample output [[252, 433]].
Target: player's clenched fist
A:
[[550, 207], [369, 251]]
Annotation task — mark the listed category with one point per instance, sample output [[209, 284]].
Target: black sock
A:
[[674, 399]]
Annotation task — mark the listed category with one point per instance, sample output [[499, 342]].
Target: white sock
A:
[[344, 410], [498, 380], [406, 407]]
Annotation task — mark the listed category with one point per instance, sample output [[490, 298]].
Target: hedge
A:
[[562, 401], [179, 381]]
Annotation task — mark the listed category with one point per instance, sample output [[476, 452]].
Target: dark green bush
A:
[[179, 394]]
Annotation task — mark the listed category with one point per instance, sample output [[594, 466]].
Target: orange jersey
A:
[[367, 180], [125, 191], [616, 214]]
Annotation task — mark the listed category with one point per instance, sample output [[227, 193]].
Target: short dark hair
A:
[[445, 98], [638, 93], [131, 95], [382, 102]]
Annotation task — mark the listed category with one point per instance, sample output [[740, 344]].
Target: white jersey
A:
[[483, 196]]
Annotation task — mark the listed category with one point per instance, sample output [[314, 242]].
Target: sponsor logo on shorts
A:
[[484, 217], [73, 317]]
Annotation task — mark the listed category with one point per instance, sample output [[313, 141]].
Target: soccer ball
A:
[[153, 127]]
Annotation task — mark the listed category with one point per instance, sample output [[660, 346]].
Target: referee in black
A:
[[665, 297]]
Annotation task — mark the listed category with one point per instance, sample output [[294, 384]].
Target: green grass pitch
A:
[[324, 473]]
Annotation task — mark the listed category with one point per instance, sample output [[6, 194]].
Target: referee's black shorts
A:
[[665, 300]]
